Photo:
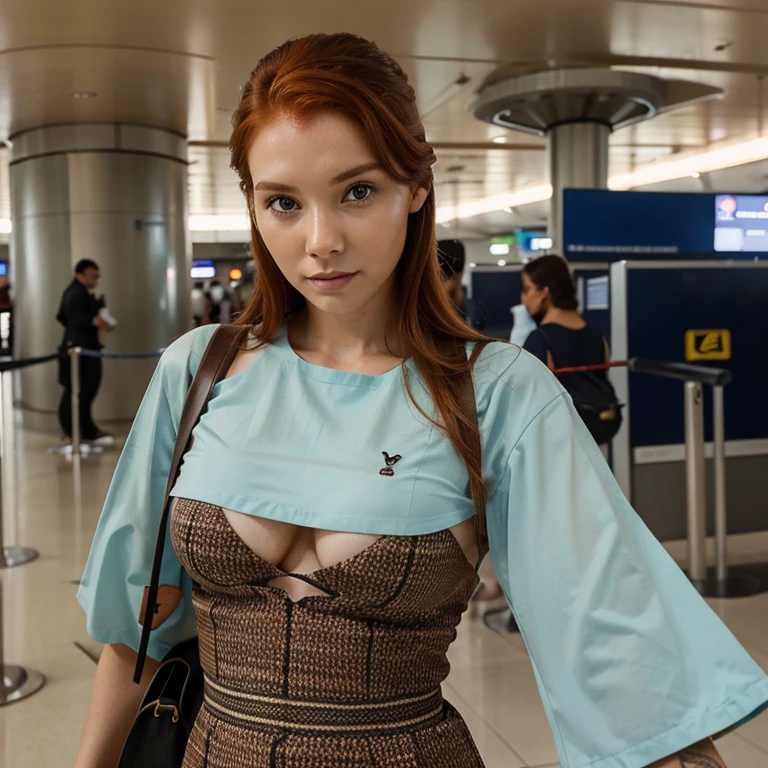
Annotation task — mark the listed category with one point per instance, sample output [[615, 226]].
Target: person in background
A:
[[82, 316], [522, 325], [565, 340], [222, 303], [199, 305], [451, 256], [563, 335]]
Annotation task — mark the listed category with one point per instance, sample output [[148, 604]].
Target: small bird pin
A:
[[390, 461]]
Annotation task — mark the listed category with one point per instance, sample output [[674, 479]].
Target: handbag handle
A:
[[219, 355]]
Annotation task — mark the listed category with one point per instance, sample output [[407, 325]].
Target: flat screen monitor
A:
[[741, 223], [203, 270], [3, 269]]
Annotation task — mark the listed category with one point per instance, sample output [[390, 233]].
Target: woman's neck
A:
[[344, 341], [569, 318]]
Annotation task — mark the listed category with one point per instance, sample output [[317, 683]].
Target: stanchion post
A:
[[695, 483], [721, 521], [16, 682], [10, 557], [74, 366]]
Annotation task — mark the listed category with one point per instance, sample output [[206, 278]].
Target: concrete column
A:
[[578, 158], [116, 194]]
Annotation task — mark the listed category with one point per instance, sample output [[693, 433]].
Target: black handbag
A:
[[159, 734]]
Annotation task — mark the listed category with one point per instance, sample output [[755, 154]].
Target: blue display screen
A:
[[203, 269], [3, 269], [646, 225], [741, 224]]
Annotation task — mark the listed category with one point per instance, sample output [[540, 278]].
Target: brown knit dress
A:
[[349, 679]]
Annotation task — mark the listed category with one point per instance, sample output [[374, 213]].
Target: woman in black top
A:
[[563, 339]]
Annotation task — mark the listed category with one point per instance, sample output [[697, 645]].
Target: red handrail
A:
[[587, 368]]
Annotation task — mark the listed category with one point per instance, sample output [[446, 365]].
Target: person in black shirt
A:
[[563, 339], [79, 314], [452, 259]]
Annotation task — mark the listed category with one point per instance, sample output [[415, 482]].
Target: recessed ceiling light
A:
[[84, 95], [695, 175], [472, 264], [499, 139], [502, 263]]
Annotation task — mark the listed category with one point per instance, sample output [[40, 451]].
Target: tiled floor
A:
[[491, 682]]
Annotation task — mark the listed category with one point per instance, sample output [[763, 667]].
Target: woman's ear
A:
[[418, 199]]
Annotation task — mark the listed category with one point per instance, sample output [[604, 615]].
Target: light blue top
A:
[[632, 665]]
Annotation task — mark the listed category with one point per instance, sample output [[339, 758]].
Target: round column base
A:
[[19, 555], [18, 683]]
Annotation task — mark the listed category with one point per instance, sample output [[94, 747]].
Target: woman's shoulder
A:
[[183, 355], [507, 376]]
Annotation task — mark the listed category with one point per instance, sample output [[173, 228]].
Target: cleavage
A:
[[294, 549]]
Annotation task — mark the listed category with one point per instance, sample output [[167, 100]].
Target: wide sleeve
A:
[[120, 560], [632, 665]]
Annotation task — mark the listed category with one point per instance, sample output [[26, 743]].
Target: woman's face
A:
[[334, 221], [532, 296]]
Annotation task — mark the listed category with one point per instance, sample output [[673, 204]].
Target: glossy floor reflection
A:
[[491, 682]]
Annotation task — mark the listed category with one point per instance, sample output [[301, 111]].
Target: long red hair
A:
[[353, 77]]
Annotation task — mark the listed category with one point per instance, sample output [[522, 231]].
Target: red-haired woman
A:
[[330, 515]]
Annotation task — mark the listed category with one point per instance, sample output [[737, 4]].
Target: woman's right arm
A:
[[120, 562], [115, 700]]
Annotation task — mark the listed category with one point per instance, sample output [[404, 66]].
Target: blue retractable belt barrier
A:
[[113, 356]]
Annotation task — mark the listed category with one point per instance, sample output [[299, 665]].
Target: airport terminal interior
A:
[[628, 136]]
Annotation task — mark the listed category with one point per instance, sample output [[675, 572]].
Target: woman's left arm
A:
[[631, 663], [701, 755]]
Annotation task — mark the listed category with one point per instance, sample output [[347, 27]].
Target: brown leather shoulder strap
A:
[[219, 355], [456, 349]]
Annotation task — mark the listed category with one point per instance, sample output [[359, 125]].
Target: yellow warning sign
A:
[[707, 345]]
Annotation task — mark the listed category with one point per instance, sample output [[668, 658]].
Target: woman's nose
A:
[[324, 235]]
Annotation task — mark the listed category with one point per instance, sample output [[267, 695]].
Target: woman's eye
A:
[[282, 204], [360, 192]]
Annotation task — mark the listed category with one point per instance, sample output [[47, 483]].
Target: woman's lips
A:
[[333, 282]]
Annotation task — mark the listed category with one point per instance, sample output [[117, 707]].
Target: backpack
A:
[[595, 400]]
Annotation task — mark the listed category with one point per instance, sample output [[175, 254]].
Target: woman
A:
[[563, 338], [321, 583]]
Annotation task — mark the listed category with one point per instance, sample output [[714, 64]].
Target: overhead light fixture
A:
[[499, 249], [727, 156], [686, 165], [695, 175], [219, 223], [472, 264], [499, 139], [501, 263], [499, 202], [84, 95]]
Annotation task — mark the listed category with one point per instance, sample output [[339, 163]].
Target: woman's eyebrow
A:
[[273, 186], [350, 174]]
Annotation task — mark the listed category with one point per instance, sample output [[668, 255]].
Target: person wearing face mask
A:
[[565, 340], [221, 303]]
